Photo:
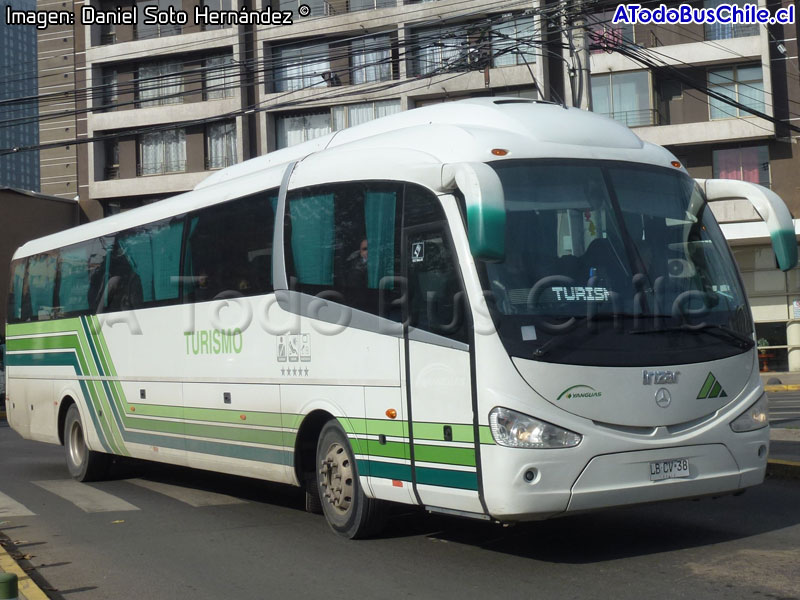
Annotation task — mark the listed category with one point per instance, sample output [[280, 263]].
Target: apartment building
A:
[[241, 91], [18, 127]]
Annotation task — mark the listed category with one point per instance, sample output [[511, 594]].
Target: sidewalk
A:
[[28, 590], [781, 382]]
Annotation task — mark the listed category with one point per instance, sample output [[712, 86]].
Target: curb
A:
[[28, 590], [791, 387]]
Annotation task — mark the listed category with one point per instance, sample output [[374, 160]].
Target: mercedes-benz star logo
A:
[[663, 398]]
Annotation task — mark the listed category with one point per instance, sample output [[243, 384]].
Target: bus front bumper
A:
[[547, 483]]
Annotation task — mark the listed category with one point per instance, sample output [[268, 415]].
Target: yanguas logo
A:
[[579, 391]]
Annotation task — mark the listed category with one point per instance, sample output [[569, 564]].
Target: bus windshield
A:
[[613, 264]]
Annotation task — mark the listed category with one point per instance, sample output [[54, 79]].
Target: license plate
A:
[[674, 468]]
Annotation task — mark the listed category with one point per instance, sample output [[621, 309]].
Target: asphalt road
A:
[[784, 409], [171, 533]]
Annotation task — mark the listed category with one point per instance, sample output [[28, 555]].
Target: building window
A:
[[160, 83], [724, 31], [109, 94], [604, 35], [294, 129], [743, 84], [513, 42], [220, 145], [355, 114], [371, 59], [624, 97], [354, 5], [162, 152], [439, 50], [301, 67], [111, 151], [108, 34], [216, 5], [158, 30], [750, 163], [773, 351], [221, 77]]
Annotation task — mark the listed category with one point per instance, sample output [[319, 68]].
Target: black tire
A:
[[83, 464], [348, 510]]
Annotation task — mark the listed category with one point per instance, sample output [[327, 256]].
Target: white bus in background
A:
[[494, 308]]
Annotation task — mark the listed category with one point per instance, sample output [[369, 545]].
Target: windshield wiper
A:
[[741, 340]]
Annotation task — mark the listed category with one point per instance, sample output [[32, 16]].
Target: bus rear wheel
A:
[[349, 512], [83, 464]]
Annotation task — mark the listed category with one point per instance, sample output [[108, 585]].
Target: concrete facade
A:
[[59, 61]]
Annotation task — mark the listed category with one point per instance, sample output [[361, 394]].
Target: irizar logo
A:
[[659, 377], [579, 391], [711, 389]]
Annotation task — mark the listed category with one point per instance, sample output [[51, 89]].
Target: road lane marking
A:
[[11, 508], [187, 495], [85, 497]]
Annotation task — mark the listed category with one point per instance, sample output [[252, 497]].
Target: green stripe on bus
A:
[[447, 455], [485, 433], [464, 480], [387, 450], [384, 470], [715, 390], [59, 359], [88, 341], [435, 431]]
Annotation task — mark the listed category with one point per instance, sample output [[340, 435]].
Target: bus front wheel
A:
[[348, 510], [83, 464]]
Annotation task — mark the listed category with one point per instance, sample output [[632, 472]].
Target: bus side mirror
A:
[[485, 204], [768, 205]]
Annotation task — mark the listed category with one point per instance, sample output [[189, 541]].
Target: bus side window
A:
[[40, 288], [81, 274], [342, 240], [16, 307], [436, 297], [229, 249]]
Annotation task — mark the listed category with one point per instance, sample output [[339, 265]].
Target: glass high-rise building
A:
[[18, 119]]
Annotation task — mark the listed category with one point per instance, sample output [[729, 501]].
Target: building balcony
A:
[[161, 167], [636, 118]]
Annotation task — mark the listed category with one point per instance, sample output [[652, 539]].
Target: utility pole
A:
[[580, 42]]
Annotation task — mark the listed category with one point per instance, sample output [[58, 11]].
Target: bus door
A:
[[438, 372]]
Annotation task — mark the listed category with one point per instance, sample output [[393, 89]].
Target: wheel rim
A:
[[77, 445], [336, 479]]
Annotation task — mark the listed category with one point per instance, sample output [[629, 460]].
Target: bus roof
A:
[[462, 131]]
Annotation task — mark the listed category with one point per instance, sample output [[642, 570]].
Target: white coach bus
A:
[[493, 308]]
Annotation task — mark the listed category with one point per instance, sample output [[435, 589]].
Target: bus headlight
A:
[[755, 417], [516, 430]]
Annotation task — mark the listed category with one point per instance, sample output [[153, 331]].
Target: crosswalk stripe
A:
[[85, 497], [11, 508], [187, 495]]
